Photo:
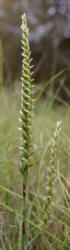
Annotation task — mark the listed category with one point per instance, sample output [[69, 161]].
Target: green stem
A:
[[26, 107]]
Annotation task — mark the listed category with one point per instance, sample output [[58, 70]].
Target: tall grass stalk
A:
[[26, 106]]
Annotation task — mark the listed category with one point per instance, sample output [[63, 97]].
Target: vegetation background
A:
[[52, 92]]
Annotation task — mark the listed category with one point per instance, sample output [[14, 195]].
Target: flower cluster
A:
[[26, 99], [51, 170]]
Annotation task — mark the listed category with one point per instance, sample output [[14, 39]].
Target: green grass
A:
[[56, 234]]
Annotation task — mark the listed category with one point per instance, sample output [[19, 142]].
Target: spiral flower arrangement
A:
[[51, 171], [25, 119], [25, 149]]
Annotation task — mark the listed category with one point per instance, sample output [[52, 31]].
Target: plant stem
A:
[[26, 106]]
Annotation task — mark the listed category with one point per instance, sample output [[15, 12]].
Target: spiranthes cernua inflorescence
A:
[[25, 115], [51, 170]]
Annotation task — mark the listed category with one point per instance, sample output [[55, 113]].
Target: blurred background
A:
[[49, 28], [49, 37]]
